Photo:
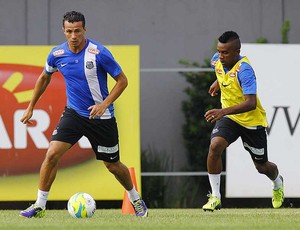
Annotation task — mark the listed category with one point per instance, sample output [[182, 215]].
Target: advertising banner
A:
[[275, 66], [23, 147]]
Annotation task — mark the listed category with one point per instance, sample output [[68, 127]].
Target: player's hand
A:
[[214, 88], [26, 116], [213, 115], [96, 110]]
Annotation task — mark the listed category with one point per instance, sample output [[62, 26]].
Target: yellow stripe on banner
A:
[[13, 81], [24, 96]]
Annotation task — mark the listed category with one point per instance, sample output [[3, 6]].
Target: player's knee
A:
[[215, 149], [52, 158], [269, 169], [112, 167], [262, 168]]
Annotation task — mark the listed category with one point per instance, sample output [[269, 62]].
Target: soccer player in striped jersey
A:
[[89, 112]]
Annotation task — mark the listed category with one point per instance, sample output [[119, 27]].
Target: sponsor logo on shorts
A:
[[108, 150], [112, 158], [255, 151], [215, 130], [54, 132]]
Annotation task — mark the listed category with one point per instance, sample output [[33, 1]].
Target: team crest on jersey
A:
[[58, 52], [89, 65], [94, 51]]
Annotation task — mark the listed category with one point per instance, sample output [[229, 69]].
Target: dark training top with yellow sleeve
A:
[[236, 83]]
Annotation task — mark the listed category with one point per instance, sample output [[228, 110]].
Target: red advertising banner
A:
[[23, 147]]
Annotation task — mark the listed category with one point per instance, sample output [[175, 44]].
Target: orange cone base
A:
[[126, 205]]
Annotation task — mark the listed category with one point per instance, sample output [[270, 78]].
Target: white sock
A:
[[133, 194], [42, 198], [277, 182], [214, 180]]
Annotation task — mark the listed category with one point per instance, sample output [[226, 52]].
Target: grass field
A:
[[168, 219]]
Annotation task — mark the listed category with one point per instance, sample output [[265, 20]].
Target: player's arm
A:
[[247, 81], [39, 88], [117, 90], [119, 87], [246, 106], [214, 88]]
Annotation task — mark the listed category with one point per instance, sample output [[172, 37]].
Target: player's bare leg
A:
[[47, 176], [271, 171], [49, 166], [214, 168], [122, 174]]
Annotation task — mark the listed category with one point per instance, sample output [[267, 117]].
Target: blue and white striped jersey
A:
[[85, 74]]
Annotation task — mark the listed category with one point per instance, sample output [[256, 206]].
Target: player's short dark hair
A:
[[230, 36], [74, 16]]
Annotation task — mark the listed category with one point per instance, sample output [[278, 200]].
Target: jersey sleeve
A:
[[247, 79], [214, 59], [109, 64], [50, 67]]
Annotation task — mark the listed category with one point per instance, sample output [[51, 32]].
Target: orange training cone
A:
[[126, 205]]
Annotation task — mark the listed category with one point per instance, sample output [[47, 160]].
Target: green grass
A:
[[168, 219]]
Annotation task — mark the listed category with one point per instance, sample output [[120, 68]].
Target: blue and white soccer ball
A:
[[81, 205]]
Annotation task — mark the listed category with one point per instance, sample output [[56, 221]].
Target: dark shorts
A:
[[254, 140], [102, 134]]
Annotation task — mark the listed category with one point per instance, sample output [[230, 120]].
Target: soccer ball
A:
[[81, 205]]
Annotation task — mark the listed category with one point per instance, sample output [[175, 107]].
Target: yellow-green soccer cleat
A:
[[278, 196], [33, 211], [214, 203]]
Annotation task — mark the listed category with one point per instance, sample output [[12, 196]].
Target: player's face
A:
[[74, 33], [228, 54]]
